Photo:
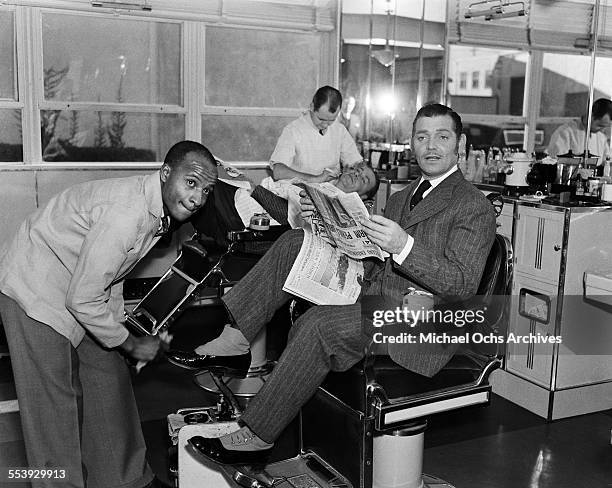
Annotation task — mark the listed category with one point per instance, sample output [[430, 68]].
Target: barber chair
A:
[[365, 427], [369, 422]]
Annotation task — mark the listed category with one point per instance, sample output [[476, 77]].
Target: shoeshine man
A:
[[439, 245], [62, 308]]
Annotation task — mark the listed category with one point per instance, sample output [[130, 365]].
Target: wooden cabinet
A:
[[559, 367]]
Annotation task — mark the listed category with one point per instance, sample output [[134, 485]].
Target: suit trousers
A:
[[325, 338], [77, 406]]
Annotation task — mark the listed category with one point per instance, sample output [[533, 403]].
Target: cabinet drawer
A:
[[538, 242], [532, 324]]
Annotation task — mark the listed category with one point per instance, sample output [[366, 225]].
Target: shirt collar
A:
[[439, 179], [153, 194]]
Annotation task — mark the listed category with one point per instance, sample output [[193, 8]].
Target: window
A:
[[247, 99], [565, 85], [463, 80], [489, 106], [114, 97], [11, 146], [503, 64], [475, 80]]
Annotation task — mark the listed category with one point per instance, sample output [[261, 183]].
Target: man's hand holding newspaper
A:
[[328, 269]]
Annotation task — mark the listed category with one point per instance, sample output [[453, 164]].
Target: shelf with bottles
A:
[[482, 166]]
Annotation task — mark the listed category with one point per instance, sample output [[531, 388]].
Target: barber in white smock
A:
[[315, 147]]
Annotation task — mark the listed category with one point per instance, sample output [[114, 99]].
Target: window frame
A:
[[298, 16]]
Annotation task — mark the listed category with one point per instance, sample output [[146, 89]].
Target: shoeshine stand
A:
[[304, 471]]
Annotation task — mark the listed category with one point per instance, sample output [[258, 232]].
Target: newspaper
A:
[[328, 269], [337, 221]]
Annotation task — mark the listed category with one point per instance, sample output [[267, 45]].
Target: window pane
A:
[[502, 95], [95, 59], [239, 74], [108, 136], [242, 138], [8, 86], [11, 147], [393, 95], [565, 85]]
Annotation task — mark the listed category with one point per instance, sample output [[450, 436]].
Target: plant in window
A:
[[52, 79], [100, 131], [118, 119]]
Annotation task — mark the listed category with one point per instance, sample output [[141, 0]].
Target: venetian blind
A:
[[554, 25]]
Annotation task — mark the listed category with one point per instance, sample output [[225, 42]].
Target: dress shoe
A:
[[235, 366], [213, 449]]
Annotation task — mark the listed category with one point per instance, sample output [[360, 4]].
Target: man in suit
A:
[[438, 230]]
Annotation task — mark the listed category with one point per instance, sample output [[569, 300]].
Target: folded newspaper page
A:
[[323, 275], [328, 269], [337, 221]]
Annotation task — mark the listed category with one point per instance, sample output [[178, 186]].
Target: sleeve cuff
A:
[[116, 341], [399, 258]]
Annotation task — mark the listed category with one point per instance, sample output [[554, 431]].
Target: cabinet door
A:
[[529, 352], [538, 242]]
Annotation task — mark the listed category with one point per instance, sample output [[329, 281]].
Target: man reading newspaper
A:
[[438, 232]]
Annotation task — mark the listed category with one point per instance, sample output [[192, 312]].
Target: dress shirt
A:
[[401, 256], [302, 148], [66, 263]]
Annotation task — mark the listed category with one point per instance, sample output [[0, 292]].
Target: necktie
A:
[[164, 226], [418, 194], [322, 132]]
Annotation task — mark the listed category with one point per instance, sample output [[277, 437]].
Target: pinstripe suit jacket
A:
[[453, 229]]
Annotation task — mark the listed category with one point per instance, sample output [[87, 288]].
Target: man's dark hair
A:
[[327, 94], [437, 110], [177, 153], [601, 107]]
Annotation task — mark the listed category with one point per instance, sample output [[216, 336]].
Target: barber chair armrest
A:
[[390, 412], [250, 235]]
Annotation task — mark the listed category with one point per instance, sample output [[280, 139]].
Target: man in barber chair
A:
[[231, 205], [439, 245]]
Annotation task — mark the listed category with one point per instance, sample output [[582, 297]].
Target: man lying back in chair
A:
[[439, 245], [231, 204]]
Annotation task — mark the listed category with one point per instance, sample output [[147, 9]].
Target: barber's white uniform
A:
[[570, 136]]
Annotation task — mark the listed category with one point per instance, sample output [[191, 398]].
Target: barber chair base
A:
[[306, 470], [257, 375], [398, 460], [241, 387]]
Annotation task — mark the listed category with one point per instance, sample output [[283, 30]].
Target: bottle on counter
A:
[[499, 164], [479, 163], [492, 162], [470, 164]]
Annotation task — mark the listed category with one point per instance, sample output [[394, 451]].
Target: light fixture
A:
[[385, 56], [495, 9], [122, 5]]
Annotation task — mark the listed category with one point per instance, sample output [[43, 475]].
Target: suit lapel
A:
[[430, 206], [404, 206]]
